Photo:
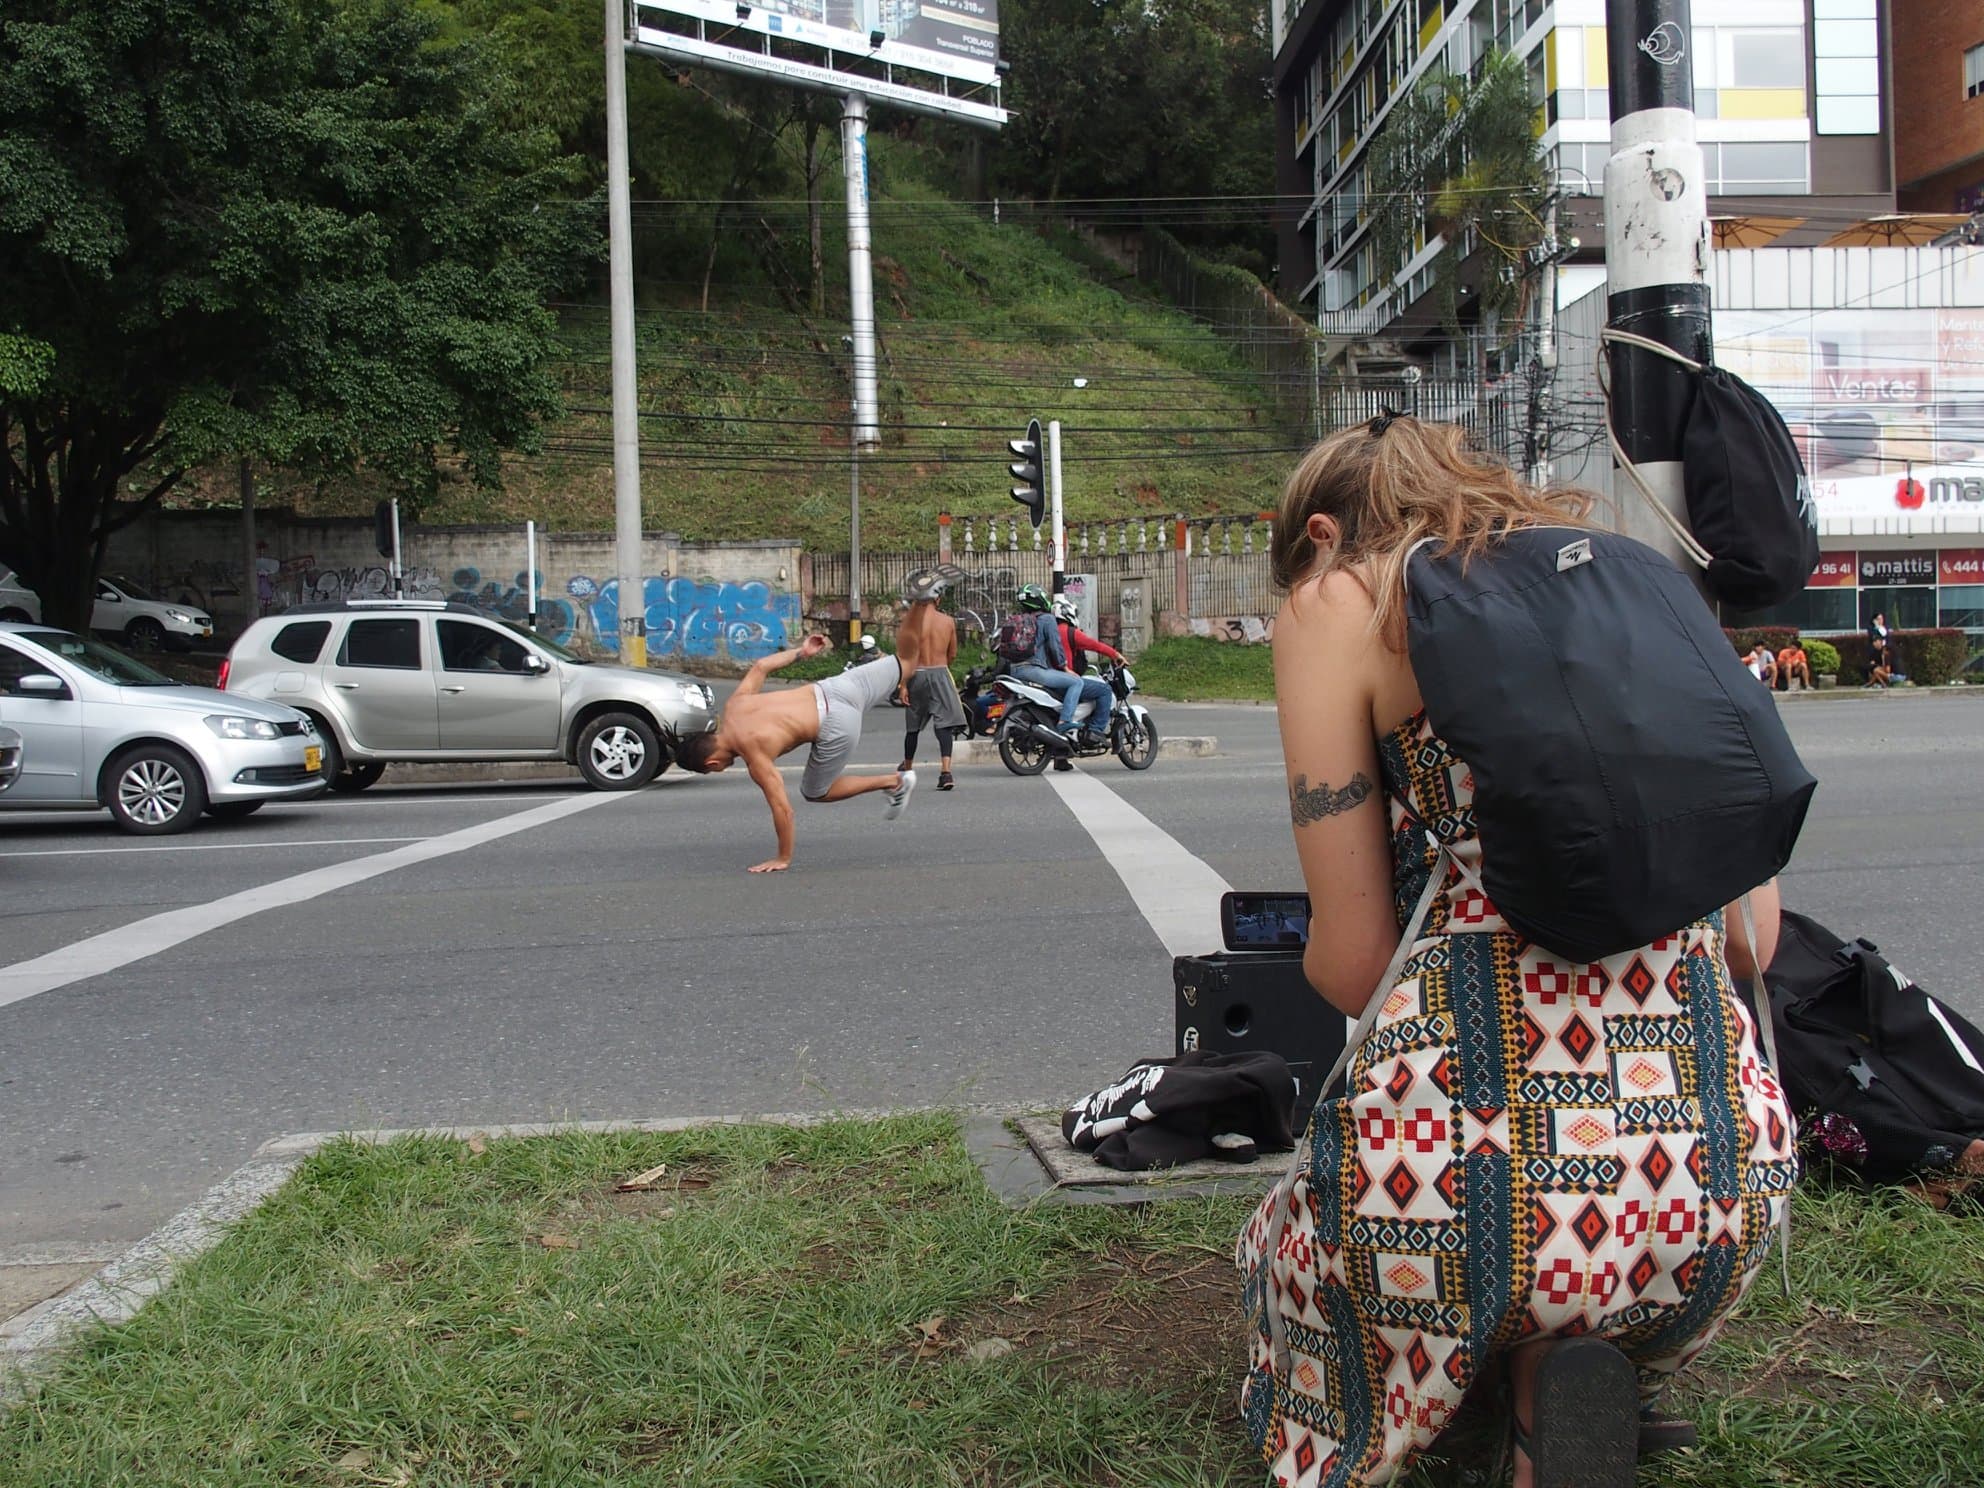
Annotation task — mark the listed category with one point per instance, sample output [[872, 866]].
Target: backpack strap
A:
[[1690, 545], [1436, 879], [1760, 1001]]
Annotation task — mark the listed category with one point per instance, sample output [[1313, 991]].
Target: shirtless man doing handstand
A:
[[759, 726]]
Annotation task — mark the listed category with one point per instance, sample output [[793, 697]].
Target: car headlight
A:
[[181, 616], [227, 726]]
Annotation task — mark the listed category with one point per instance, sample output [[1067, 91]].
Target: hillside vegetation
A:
[[745, 405]]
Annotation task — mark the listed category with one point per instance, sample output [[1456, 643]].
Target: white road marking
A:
[[128, 943], [84, 852], [1176, 892]]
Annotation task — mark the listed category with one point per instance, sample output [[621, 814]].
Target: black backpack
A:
[[1630, 776], [1887, 1082], [1751, 522]]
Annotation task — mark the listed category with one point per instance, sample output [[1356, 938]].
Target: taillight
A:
[[225, 663]]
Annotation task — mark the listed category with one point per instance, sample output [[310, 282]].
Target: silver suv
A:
[[424, 681]]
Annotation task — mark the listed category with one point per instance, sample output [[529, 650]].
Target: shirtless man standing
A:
[[759, 726], [926, 645]]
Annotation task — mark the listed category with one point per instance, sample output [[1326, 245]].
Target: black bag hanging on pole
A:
[[1751, 524]]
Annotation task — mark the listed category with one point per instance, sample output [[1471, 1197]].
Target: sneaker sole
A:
[[1587, 1417]]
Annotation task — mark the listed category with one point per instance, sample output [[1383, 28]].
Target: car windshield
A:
[[131, 590], [549, 645], [98, 659]]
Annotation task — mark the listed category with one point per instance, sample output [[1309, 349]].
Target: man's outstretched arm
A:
[[754, 680], [764, 771]]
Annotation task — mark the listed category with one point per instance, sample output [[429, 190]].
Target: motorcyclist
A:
[[1075, 642], [1049, 666]]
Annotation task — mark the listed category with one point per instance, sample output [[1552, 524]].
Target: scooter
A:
[[984, 704], [1029, 736]]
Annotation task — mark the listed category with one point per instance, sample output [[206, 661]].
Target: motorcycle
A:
[[1029, 738], [984, 704]]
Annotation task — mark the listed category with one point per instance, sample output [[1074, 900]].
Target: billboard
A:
[[948, 38]]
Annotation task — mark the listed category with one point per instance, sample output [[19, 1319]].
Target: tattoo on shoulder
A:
[[1311, 803]]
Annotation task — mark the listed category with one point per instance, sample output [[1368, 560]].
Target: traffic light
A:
[[1029, 468]]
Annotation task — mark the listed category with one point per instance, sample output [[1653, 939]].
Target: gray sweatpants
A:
[[842, 701]]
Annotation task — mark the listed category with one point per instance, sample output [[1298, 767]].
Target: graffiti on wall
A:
[[1254, 629], [556, 618], [300, 581], [690, 617]]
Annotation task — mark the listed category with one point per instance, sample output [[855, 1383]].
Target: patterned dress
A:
[[1534, 1149]]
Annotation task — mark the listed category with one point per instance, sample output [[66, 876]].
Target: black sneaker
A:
[[1061, 764]]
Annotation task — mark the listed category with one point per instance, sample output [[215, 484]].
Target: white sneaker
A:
[[899, 797]]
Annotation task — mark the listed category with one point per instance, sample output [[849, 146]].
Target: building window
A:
[[1973, 71], [1766, 59], [1846, 47]]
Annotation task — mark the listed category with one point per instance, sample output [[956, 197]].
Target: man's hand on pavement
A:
[[771, 865]]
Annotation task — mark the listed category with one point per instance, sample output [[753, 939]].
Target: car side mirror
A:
[[45, 684], [536, 665]]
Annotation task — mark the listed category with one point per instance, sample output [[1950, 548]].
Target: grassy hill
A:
[[746, 404]]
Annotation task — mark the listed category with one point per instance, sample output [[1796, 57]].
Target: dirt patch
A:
[[1834, 1359], [1131, 1317]]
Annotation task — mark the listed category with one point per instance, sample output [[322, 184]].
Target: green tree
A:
[[1143, 98], [306, 231], [1461, 157]]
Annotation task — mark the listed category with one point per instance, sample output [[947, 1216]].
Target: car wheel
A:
[[1023, 754], [619, 751], [145, 634], [154, 790], [233, 810], [354, 778]]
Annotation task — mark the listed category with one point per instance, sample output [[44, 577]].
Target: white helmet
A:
[[1064, 609]]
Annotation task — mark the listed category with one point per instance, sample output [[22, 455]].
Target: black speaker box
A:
[[1232, 1002]]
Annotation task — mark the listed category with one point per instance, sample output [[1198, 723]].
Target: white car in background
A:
[[123, 608]]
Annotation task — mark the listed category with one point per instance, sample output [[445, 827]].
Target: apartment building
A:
[[1939, 118], [1792, 96]]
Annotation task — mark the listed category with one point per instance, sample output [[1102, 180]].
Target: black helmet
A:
[[1033, 598]]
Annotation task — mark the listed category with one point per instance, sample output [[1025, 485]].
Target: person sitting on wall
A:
[[1762, 664], [1794, 668]]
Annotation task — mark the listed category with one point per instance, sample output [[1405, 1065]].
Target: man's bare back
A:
[[926, 637]]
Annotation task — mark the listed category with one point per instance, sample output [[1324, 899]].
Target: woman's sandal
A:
[[1586, 1417]]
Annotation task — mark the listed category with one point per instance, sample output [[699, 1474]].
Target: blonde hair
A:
[[1393, 483]]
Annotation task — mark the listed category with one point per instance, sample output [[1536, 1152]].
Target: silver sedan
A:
[[102, 731], [10, 758]]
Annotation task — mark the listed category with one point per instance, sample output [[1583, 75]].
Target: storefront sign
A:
[[1960, 566], [1897, 568], [1893, 386], [1835, 571]]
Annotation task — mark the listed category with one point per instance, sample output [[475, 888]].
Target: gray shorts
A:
[[933, 698], [842, 700]]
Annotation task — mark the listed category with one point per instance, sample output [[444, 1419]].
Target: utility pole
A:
[[1054, 497], [1656, 247], [251, 573], [626, 396], [867, 431]]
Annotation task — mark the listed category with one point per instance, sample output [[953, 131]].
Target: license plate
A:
[[207, 634], [313, 758]]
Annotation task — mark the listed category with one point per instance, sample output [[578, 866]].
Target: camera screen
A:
[[1269, 920]]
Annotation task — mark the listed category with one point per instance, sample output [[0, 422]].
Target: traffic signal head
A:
[[1029, 469], [382, 528]]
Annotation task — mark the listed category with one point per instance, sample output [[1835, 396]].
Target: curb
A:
[[32, 1342]]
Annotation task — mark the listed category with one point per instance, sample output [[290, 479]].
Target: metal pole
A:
[[860, 268], [626, 410], [854, 549], [530, 574], [1656, 246], [1054, 505], [399, 565], [251, 575]]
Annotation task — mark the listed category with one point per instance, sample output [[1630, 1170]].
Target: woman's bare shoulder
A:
[[1337, 603]]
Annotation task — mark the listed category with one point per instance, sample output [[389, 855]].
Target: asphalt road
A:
[[616, 961]]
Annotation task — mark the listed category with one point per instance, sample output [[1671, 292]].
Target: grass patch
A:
[[819, 1306], [1193, 669]]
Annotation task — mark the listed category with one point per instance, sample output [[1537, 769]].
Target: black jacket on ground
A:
[[1169, 1111]]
